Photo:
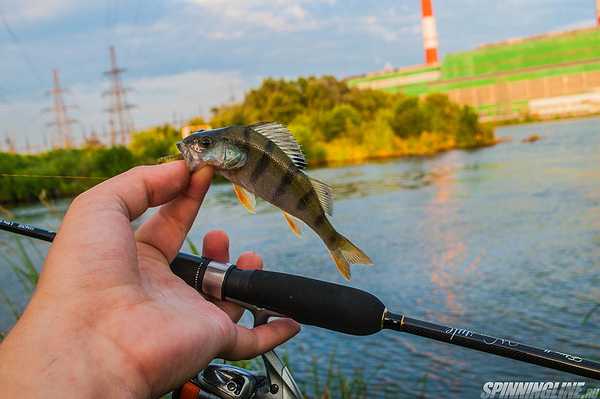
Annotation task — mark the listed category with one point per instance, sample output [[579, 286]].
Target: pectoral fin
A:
[[292, 223], [246, 198]]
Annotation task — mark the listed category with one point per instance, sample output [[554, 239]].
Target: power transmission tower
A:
[[10, 146], [62, 121], [120, 121]]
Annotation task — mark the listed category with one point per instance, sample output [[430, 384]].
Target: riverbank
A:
[[66, 173], [530, 119], [426, 146], [332, 122]]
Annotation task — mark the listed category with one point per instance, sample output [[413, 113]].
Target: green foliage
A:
[[408, 119], [197, 120], [333, 121], [110, 161], [337, 383], [71, 172], [341, 119], [310, 140], [68, 172], [149, 145], [193, 248]]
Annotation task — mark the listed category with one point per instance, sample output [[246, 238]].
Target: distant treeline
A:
[[334, 123], [75, 170]]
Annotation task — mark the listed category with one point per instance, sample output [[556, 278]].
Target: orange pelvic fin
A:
[[291, 221], [246, 198]]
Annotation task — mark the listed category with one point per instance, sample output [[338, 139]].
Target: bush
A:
[[326, 111], [150, 145], [332, 122], [408, 119], [341, 119]]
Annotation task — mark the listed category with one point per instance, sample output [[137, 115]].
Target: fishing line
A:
[[68, 177]]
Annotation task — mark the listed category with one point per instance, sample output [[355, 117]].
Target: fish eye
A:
[[201, 143]]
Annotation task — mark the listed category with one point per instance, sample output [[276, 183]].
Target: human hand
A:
[[108, 318]]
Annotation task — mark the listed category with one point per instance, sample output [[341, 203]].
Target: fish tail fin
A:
[[344, 253]]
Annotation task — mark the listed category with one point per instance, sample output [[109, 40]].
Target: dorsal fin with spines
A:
[[283, 138]]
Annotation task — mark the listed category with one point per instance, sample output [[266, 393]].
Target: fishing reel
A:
[[225, 381]]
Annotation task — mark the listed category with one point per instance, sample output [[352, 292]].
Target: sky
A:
[[185, 56]]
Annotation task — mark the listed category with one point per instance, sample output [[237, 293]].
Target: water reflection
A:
[[448, 249], [362, 186], [508, 233]]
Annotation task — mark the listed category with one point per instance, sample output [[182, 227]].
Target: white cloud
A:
[[374, 26], [185, 94], [158, 100], [272, 15], [391, 25], [26, 11]]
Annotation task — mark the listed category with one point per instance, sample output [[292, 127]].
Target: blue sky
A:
[[184, 56]]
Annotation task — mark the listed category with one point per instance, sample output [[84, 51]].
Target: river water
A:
[[503, 240]]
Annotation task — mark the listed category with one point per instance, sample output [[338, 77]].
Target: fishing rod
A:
[[334, 307]]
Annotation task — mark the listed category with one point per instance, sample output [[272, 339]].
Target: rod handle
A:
[[308, 301]]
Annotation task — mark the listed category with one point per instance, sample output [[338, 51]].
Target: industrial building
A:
[[545, 76]]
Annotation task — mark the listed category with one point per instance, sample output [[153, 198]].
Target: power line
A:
[[17, 42]]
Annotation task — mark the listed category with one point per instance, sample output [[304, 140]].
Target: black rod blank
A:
[[184, 264], [496, 346], [27, 230]]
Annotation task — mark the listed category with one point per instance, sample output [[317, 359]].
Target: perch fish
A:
[[265, 159]]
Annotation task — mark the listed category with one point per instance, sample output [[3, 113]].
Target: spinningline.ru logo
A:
[[538, 390]]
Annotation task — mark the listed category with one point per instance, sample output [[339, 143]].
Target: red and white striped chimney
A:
[[430, 40], [598, 12]]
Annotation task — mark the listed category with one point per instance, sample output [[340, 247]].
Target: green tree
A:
[[340, 119], [468, 127], [441, 115], [408, 119], [309, 139], [197, 120], [149, 145]]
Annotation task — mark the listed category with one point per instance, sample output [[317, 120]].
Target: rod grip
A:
[[308, 301]]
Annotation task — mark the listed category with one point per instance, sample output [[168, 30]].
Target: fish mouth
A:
[[193, 160]]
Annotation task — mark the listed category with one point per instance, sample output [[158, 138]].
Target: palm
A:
[[124, 292]]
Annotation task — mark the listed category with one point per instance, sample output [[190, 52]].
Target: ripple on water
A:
[[503, 240]]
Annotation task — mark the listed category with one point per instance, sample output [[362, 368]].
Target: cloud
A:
[[272, 15], [390, 28], [26, 11], [185, 94], [158, 100]]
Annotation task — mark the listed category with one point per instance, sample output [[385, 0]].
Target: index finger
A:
[[97, 224], [167, 228]]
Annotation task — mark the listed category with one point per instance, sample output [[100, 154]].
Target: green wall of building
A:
[[525, 53], [531, 58]]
